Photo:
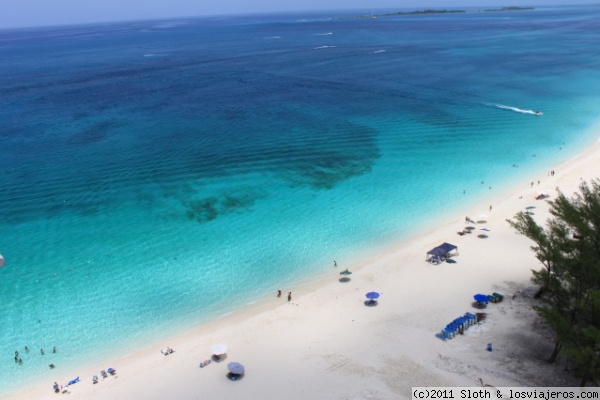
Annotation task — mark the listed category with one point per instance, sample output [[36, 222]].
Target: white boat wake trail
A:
[[515, 109]]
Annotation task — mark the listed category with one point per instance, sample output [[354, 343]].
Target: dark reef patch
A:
[[210, 208]]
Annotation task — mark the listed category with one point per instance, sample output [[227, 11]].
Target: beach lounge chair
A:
[[104, 374], [95, 379], [498, 297], [112, 371], [493, 299], [73, 381], [205, 363]]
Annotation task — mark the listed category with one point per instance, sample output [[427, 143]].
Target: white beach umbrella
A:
[[219, 349], [482, 218]]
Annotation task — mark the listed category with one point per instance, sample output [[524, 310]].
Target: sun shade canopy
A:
[[442, 250]]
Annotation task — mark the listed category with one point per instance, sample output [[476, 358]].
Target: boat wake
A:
[[516, 109], [379, 51], [324, 34], [323, 47]]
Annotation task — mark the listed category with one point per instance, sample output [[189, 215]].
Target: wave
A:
[[379, 51], [322, 47], [516, 109], [324, 34], [273, 37], [154, 55]]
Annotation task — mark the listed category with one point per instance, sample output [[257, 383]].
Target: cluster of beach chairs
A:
[[459, 325], [104, 374], [495, 297]]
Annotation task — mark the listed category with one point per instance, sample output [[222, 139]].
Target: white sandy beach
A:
[[326, 344]]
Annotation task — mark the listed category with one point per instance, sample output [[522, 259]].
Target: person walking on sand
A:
[[290, 296], [279, 293], [334, 264]]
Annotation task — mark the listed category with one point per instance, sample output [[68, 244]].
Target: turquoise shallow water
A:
[[159, 174]]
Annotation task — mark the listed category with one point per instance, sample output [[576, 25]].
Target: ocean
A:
[[158, 174]]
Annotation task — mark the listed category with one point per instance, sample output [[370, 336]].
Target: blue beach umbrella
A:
[[236, 368], [372, 295], [481, 298]]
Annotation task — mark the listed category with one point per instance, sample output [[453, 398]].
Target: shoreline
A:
[[329, 339]]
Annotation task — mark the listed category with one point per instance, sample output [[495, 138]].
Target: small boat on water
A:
[[538, 112]]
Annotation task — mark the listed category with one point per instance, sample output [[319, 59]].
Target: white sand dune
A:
[[326, 344]]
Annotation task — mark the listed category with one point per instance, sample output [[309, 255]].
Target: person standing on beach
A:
[[290, 296], [279, 293], [334, 264]]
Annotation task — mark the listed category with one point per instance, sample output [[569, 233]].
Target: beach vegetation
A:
[[568, 248]]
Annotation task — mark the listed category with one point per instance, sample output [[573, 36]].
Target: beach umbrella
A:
[[219, 349], [481, 298], [482, 218], [235, 368], [372, 295], [345, 272], [1, 261]]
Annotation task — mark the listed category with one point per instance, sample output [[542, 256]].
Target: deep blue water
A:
[[157, 174]]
